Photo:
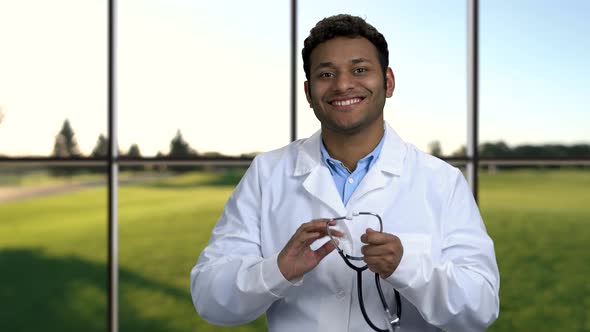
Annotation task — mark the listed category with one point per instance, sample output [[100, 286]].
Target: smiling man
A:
[[271, 252]]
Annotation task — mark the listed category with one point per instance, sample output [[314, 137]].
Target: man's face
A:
[[345, 87]]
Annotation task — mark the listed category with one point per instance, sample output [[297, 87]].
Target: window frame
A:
[[113, 161]]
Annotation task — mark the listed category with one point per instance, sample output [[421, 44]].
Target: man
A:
[[269, 252]]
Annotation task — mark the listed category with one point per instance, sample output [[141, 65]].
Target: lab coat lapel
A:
[[318, 181], [388, 166], [320, 184], [375, 179]]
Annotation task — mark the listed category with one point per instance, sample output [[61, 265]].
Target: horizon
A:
[[166, 153]]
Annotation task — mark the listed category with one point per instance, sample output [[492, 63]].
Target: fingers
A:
[[382, 252], [297, 258], [314, 226], [383, 265], [380, 244], [309, 232], [325, 249], [373, 237], [319, 226], [306, 239], [378, 250]]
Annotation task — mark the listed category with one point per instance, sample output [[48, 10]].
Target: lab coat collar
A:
[[392, 156], [390, 160], [309, 161]]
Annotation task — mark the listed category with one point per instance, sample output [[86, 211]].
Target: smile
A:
[[346, 102]]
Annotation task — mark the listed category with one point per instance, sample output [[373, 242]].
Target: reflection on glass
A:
[[427, 52], [216, 73], [54, 68], [53, 248], [166, 218], [534, 73], [538, 219]]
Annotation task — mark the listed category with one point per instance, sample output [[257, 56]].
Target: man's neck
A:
[[350, 148]]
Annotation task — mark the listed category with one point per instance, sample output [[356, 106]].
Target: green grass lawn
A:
[[540, 222], [53, 253]]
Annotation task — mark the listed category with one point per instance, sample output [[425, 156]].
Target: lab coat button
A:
[[340, 294]]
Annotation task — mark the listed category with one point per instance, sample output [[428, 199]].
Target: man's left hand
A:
[[382, 252]]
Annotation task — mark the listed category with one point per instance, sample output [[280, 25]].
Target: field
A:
[[53, 253]]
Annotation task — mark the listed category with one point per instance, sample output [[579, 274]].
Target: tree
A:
[[460, 152], [134, 151], [435, 148], [495, 150], [65, 143], [65, 146], [180, 149], [102, 147]]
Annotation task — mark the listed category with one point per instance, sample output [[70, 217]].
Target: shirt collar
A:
[[391, 158], [365, 163]]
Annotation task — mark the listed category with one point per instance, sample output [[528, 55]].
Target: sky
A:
[[219, 71]]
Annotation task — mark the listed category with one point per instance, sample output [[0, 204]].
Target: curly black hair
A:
[[344, 25]]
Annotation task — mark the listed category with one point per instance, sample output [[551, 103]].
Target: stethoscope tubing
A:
[[359, 270]]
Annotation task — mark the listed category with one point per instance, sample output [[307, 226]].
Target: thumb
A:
[[365, 237]]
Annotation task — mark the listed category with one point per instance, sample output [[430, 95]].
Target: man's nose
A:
[[344, 82]]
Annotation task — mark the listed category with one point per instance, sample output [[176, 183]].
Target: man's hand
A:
[[297, 258], [382, 252]]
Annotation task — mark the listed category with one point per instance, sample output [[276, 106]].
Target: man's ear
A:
[[389, 82], [307, 92]]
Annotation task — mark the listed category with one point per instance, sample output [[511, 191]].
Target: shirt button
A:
[[350, 180], [341, 293]]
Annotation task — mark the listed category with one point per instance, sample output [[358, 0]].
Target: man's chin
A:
[[343, 128]]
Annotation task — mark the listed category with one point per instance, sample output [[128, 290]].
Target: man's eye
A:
[[326, 75], [360, 70]]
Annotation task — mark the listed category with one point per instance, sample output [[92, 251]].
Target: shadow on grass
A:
[[44, 293]]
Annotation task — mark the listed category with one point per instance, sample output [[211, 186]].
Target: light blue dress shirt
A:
[[346, 182]]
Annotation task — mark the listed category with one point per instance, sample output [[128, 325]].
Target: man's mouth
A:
[[346, 102]]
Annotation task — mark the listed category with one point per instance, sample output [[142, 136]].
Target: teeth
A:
[[346, 102]]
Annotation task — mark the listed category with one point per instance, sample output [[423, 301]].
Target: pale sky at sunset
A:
[[219, 71]]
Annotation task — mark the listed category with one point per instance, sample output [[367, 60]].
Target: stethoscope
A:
[[393, 319]]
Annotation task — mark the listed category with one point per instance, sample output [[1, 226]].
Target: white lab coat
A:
[[448, 277]]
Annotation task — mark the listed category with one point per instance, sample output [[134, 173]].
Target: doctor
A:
[[269, 252]]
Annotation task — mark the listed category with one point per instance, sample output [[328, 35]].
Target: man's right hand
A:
[[297, 258]]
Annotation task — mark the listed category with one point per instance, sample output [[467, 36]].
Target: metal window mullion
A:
[[472, 95], [293, 70], [112, 278]]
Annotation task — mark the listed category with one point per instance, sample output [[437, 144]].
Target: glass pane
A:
[[166, 219], [53, 248], [217, 72], [427, 52], [538, 218], [535, 75], [54, 68]]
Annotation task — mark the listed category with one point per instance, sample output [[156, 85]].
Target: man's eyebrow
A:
[[359, 60], [330, 64], [324, 65]]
